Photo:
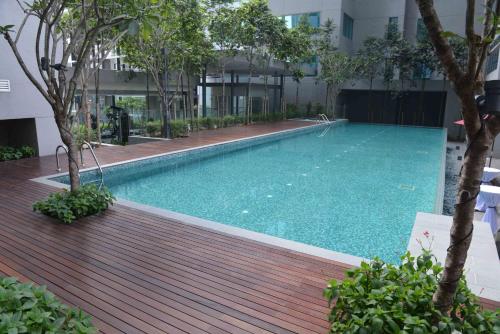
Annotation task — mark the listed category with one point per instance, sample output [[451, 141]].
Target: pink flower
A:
[[426, 234]]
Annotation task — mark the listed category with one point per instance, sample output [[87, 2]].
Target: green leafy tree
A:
[[189, 46], [370, 58], [336, 67], [56, 42], [256, 27], [296, 49], [223, 27], [148, 50]]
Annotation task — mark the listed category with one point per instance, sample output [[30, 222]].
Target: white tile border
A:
[[439, 202], [482, 267]]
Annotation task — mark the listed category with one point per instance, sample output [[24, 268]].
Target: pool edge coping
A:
[[291, 245], [440, 189]]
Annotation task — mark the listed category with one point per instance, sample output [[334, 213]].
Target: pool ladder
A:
[[84, 144], [322, 118]]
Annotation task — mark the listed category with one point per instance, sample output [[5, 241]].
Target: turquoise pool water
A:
[[355, 190]]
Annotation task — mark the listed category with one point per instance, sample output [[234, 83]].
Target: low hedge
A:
[[27, 308], [383, 298], [12, 153], [67, 206]]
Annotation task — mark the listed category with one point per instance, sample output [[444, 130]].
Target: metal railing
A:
[[57, 155], [84, 144], [323, 118], [96, 161]]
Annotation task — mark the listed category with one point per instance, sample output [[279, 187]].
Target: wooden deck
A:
[[135, 272]]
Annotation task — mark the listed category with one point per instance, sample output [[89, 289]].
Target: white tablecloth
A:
[[488, 175], [491, 198]]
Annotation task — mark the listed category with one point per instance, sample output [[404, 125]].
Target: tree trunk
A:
[[73, 151], [85, 111], [370, 104], [249, 88], [97, 109], [422, 95], [190, 100], [297, 95], [461, 229], [223, 112]]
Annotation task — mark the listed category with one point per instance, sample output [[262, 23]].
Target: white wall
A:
[[24, 100]]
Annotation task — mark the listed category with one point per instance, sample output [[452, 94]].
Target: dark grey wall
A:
[[18, 132]]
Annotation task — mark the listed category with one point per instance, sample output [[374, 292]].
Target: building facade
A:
[[25, 117], [356, 20]]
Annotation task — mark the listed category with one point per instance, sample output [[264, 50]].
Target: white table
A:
[[489, 174], [491, 198]]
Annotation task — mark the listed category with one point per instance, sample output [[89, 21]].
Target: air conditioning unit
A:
[[4, 86]]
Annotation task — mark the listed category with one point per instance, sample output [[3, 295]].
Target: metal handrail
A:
[[324, 118], [95, 159], [57, 155]]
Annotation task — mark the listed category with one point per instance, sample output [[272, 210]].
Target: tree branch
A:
[[490, 29], [472, 39], [30, 76], [443, 48]]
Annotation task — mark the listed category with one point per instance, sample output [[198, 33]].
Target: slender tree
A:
[[370, 58], [149, 50], [255, 26], [55, 43], [467, 82], [296, 49], [223, 27], [336, 67]]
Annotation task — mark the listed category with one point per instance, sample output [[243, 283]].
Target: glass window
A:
[[492, 62], [314, 20], [393, 20], [421, 30], [292, 21], [347, 26]]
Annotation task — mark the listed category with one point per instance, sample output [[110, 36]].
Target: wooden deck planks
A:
[[136, 272]]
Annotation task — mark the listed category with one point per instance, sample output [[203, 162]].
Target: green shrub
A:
[[68, 206], [81, 133], [231, 120], [207, 122], [383, 298], [309, 109], [292, 111], [26, 308], [194, 123], [12, 153], [179, 128], [153, 128]]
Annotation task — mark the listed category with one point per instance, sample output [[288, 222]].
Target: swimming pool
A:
[[352, 189]]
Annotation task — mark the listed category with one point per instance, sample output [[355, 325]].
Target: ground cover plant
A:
[[27, 308], [379, 297], [12, 153], [67, 206]]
